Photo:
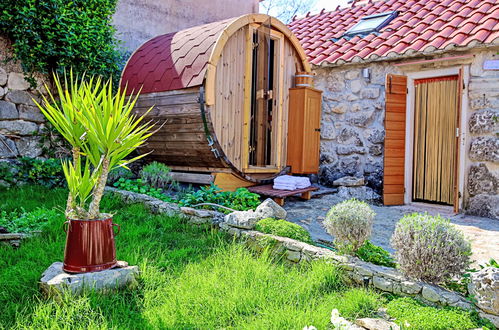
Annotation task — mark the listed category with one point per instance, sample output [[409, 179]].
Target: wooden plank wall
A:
[[394, 159], [181, 139], [227, 113]]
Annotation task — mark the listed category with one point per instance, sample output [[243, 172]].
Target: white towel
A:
[[288, 182]]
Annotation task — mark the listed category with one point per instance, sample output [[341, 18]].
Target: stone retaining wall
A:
[[352, 132], [19, 116], [357, 271]]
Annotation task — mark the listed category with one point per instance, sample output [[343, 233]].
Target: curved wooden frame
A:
[[232, 27]]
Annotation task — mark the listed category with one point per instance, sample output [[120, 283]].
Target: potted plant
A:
[[103, 131]]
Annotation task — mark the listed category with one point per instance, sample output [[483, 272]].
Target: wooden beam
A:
[[198, 178]]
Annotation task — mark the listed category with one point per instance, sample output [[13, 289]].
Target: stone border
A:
[[357, 271]]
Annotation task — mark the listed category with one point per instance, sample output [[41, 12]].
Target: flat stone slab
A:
[[55, 281]]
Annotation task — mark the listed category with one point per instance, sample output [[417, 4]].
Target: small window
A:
[[372, 23]]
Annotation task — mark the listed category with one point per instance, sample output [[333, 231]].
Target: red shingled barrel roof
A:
[[173, 61], [422, 26]]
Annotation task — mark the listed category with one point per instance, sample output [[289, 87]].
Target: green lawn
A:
[[191, 278]]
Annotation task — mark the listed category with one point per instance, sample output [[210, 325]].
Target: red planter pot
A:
[[89, 245]]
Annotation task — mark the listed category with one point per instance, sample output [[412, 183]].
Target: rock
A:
[[29, 147], [430, 293], [377, 137], [328, 131], [410, 287], [2, 92], [31, 113], [352, 74], [484, 206], [484, 287], [349, 135], [349, 165], [383, 284], [483, 121], [20, 97], [485, 149], [361, 193], [293, 256], [376, 150], [16, 81], [482, 181], [270, 209], [362, 119], [18, 127], [8, 148], [242, 219], [348, 150], [55, 281], [376, 324], [8, 111], [356, 86], [349, 181], [3, 77], [369, 93], [492, 318]]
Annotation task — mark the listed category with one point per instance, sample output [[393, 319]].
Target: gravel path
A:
[[483, 232]]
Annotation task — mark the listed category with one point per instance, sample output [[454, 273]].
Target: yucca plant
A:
[[102, 130]]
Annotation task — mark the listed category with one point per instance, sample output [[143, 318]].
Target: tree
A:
[[286, 9]]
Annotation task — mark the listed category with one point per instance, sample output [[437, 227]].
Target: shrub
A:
[[283, 228], [51, 35], [45, 172], [119, 173], [414, 315], [430, 248], [25, 222], [141, 187], [375, 254], [157, 175], [350, 222], [240, 200]]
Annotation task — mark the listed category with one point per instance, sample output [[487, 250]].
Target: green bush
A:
[[53, 35], [240, 200], [375, 254], [141, 187], [45, 172], [157, 175], [119, 173], [350, 222], [413, 315], [26, 222], [430, 248], [283, 228]]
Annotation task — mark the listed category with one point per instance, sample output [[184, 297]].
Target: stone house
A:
[[137, 21], [411, 98]]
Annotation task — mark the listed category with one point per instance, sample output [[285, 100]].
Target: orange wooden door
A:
[[311, 148], [395, 130]]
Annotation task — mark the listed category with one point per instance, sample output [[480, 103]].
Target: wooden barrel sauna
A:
[[220, 93]]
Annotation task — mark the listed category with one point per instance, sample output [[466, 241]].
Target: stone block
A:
[[376, 150], [356, 86], [20, 97], [8, 111], [484, 286], [31, 113], [16, 81], [29, 147], [56, 282], [383, 284], [484, 205], [2, 92], [431, 293], [361, 193], [349, 150], [352, 74], [377, 137], [410, 287], [242, 219], [3, 77], [482, 181], [485, 148], [370, 93], [293, 256], [483, 121], [18, 127], [349, 181]]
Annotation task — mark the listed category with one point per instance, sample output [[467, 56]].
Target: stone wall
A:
[[19, 117], [352, 132], [137, 21], [482, 184]]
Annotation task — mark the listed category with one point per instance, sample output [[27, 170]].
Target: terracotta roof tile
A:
[[421, 25]]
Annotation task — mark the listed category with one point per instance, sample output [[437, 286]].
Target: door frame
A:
[[409, 131]]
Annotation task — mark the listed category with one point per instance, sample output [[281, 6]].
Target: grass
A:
[[191, 278]]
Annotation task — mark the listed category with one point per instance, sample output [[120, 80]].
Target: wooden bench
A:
[[279, 195]]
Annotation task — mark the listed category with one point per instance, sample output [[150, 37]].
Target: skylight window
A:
[[372, 23]]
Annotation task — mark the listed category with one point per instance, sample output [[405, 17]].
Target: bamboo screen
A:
[[435, 123]]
